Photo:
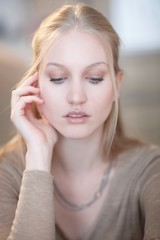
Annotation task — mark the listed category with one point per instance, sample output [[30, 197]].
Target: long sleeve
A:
[[9, 191], [150, 200], [26, 207], [34, 218], [131, 209]]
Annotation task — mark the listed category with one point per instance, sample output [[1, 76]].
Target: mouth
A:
[[75, 114], [76, 117]]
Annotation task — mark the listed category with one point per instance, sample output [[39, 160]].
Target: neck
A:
[[75, 157]]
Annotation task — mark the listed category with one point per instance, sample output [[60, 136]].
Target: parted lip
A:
[[76, 114]]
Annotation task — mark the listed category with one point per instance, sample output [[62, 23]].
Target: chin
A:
[[75, 134]]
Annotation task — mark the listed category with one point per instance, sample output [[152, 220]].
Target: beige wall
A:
[[140, 100], [11, 69]]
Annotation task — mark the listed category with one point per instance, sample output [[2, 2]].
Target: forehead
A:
[[76, 47]]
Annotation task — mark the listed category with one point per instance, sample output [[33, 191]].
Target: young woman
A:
[[71, 173]]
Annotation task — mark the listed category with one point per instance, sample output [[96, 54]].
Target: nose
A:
[[76, 94]]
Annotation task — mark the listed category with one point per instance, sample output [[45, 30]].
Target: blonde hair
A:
[[87, 19]]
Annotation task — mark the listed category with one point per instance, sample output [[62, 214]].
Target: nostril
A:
[[77, 98], [77, 95]]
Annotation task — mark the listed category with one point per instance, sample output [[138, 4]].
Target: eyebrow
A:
[[89, 66]]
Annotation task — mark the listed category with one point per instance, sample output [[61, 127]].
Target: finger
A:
[[28, 90], [19, 92], [27, 82], [30, 81], [28, 100], [25, 91], [19, 108]]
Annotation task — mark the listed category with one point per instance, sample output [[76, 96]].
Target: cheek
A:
[[105, 107], [51, 101], [104, 99], [48, 93]]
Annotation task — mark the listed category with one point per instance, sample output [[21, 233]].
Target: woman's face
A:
[[75, 84]]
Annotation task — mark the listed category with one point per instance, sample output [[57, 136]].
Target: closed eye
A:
[[58, 80], [92, 80], [95, 80]]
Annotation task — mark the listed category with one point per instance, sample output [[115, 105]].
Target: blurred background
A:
[[138, 24]]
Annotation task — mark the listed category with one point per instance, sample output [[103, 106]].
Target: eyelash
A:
[[57, 80], [95, 80], [92, 80]]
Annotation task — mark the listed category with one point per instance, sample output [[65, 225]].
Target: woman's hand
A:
[[39, 135]]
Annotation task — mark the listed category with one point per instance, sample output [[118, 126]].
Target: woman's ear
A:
[[119, 78]]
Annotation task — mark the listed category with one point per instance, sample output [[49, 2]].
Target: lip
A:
[[76, 117]]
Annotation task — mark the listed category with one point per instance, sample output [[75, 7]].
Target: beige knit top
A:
[[131, 210]]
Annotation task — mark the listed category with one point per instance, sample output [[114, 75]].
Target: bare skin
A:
[[73, 153], [40, 137]]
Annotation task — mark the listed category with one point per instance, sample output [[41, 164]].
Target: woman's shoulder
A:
[[140, 156], [139, 165], [143, 149]]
